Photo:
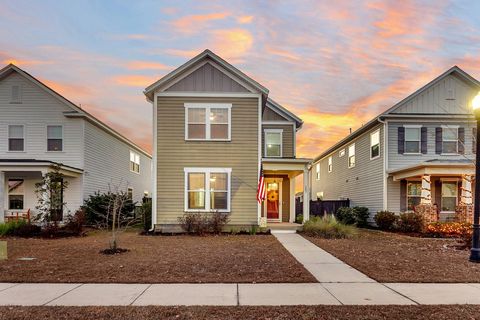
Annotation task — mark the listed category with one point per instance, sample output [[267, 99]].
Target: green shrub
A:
[[410, 222], [361, 216], [385, 220], [20, 228], [7, 228], [96, 209], [146, 214], [346, 215], [299, 218], [328, 227]]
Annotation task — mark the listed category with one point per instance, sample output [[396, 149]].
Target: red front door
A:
[[273, 200]]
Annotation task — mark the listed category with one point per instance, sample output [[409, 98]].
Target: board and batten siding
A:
[[107, 165], [207, 78], [396, 160], [37, 110], [451, 95], [362, 184], [288, 136], [174, 154]]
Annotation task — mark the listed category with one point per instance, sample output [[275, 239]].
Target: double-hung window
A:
[[330, 164], [16, 138], [449, 195], [54, 138], [134, 162], [341, 153], [375, 144], [414, 193], [273, 142], [351, 156], [16, 194], [450, 140], [317, 168], [412, 139], [207, 189], [208, 121]]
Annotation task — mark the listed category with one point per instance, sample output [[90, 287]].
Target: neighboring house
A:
[[418, 151], [214, 129], [39, 128]]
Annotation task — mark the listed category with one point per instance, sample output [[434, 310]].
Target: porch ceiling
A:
[[434, 169], [292, 167], [37, 166]]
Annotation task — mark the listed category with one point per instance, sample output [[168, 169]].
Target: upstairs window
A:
[[54, 138], [341, 153], [351, 156], [273, 142], [317, 169], [16, 94], [450, 140], [412, 139], [16, 138], [375, 145], [134, 162], [330, 164], [208, 121]]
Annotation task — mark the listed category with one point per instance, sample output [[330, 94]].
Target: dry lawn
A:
[[388, 257], [152, 259]]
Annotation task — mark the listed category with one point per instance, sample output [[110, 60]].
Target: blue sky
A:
[[336, 66]]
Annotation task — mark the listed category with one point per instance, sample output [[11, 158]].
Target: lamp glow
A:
[[476, 102]]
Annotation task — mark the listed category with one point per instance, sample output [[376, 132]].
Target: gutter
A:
[[385, 161]]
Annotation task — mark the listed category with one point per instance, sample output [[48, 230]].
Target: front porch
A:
[[439, 190], [18, 200], [278, 210]]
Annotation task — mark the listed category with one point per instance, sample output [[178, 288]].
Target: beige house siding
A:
[[174, 154], [288, 137], [207, 78]]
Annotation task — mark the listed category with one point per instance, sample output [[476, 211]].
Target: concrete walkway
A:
[[339, 284]]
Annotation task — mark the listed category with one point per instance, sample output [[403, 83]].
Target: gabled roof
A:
[[206, 54], [76, 110], [455, 69], [275, 106], [390, 112]]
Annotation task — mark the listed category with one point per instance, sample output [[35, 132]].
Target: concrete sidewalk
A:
[[362, 293]]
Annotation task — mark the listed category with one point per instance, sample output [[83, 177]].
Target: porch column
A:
[[426, 195], [466, 196], [2, 196], [306, 194], [293, 214]]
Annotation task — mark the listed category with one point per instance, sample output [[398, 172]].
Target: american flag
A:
[[261, 191]]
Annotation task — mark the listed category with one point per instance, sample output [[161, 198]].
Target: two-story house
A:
[[419, 151], [215, 132], [40, 128]]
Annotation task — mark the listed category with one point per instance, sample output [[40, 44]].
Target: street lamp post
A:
[[475, 252]]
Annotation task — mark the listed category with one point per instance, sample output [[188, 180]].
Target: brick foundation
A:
[[464, 213], [428, 212]]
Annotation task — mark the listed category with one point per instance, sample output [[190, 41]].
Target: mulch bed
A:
[[389, 257], [444, 312], [152, 259]]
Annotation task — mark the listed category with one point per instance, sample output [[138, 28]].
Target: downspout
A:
[[154, 164], [385, 161]]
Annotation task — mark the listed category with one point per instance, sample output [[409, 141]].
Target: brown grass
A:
[[245, 313], [153, 259], [389, 257]]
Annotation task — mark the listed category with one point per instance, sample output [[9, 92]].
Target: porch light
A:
[[475, 252]]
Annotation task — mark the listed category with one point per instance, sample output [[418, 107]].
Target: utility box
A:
[[3, 250]]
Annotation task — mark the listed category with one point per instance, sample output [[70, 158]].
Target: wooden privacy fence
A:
[[322, 207]]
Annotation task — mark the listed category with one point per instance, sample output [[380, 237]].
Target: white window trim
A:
[[265, 131], [354, 155], [46, 137], [330, 164], [317, 168], [456, 140], [341, 153], [413, 126], [448, 180], [207, 172], [24, 138], [139, 161], [379, 151], [207, 107]]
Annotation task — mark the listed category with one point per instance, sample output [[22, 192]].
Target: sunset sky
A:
[[335, 66]]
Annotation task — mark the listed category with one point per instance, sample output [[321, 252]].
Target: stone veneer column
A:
[[466, 196], [426, 195]]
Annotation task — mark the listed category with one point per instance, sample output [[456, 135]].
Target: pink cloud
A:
[[196, 22]]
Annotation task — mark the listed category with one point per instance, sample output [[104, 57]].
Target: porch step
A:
[[284, 227]]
